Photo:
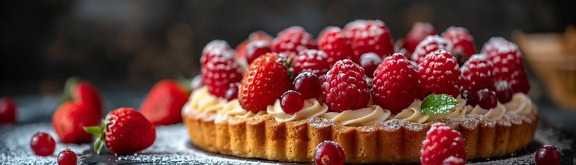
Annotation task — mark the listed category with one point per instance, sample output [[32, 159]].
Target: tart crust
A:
[[392, 141]]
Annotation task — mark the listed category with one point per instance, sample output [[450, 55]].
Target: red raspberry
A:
[[344, 87], [441, 143], [462, 43], [215, 48], [370, 61], [293, 39], [476, 74], [369, 36], [439, 74], [265, 81], [453, 161], [418, 33], [311, 60], [333, 41], [493, 44], [395, 83], [219, 72], [508, 65], [428, 45]]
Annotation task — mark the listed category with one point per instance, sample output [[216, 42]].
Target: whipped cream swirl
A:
[[496, 113], [359, 117], [201, 100], [312, 108], [520, 105], [233, 108]]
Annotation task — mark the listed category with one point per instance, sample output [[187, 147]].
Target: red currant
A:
[[7, 111], [232, 92], [291, 102], [42, 144], [471, 98], [67, 157], [503, 91], [370, 61], [487, 99], [547, 155], [197, 82], [329, 153], [308, 84], [256, 48]]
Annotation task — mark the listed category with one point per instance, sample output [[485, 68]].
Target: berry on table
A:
[[395, 83], [7, 110], [70, 119], [291, 102], [329, 153], [441, 142], [370, 61], [547, 155], [164, 102], [345, 87], [308, 84], [67, 157], [42, 144]]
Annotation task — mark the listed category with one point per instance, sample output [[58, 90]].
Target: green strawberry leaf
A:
[[94, 130], [98, 145], [67, 95], [437, 104]]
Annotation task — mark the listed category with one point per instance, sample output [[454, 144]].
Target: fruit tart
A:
[[298, 94]]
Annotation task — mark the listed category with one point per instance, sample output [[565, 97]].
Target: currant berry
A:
[[487, 99], [503, 91], [291, 102], [329, 153], [547, 155], [232, 92], [256, 48], [42, 144], [67, 157], [471, 98], [308, 84], [370, 61]]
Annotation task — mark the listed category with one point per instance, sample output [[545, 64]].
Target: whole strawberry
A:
[[462, 43], [311, 60], [7, 110], [439, 74], [123, 131], [163, 105], [70, 119], [369, 36], [82, 91], [344, 87], [441, 143], [333, 41], [395, 83], [508, 64], [265, 81], [219, 72], [418, 33], [293, 40], [429, 45]]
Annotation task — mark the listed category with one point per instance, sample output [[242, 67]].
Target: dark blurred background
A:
[[138, 42]]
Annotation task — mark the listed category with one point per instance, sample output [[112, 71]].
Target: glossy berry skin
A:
[[265, 81], [487, 98], [67, 157], [163, 104], [329, 153], [254, 36], [418, 33], [462, 42], [42, 144], [70, 119], [439, 74], [308, 84], [369, 36], [232, 92], [81, 91], [219, 72], [345, 87], [291, 102], [471, 97], [441, 142], [476, 74], [503, 91], [333, 41], [395, 83], [547, 155], [293, 40], [128, 131], [311, 60], [508, 64], [215, 48], [370, 61], [429, 45], [256, 48], [7, 110]]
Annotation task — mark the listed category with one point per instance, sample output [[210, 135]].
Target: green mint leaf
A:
[[94, 130], [437, 104]]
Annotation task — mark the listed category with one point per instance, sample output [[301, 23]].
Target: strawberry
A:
[[7, 111], [508, 64], [418, 33], [345, 87], [216, 48], [311, 60], [219, 72], [123, 131], [441, 143], [333, 41], [369, 36], [395, 83], [439, 74], [265, 81], [82, 91], [293, 40], [462, 43], [164, 102], [428, 45], [69, 120]]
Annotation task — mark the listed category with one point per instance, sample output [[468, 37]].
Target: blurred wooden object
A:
[[553, 57]]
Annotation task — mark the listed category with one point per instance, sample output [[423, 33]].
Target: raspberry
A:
[[418, 33], [369, 36], [215, 48], [476, 74], [453, 161], [344, 87], [429, 45], [491, 46], [462, 43], [508, 65], [311, 60], [395, 83], [441, 143], [370, 61], [439, 74], [333, 41], [264, 82], [219, 72], [293, 39]]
